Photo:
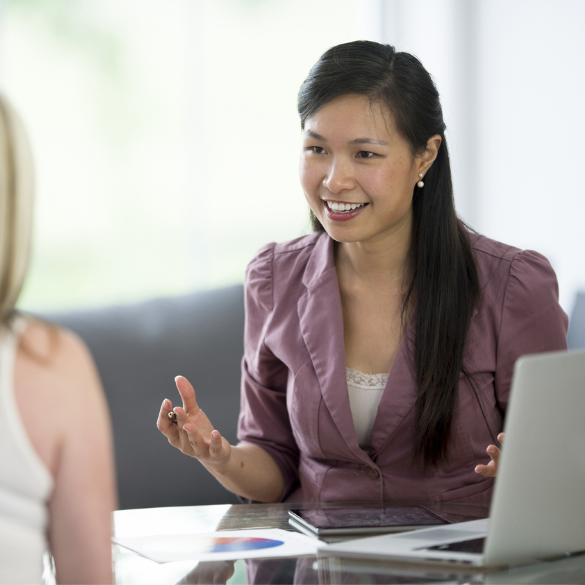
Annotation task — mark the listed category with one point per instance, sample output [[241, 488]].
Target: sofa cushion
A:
[[138, 350]]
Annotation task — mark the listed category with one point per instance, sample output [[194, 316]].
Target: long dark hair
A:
[[443, 284]]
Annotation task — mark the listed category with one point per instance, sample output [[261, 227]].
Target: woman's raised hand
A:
[[193, 434], [245, 469], [491, 469]]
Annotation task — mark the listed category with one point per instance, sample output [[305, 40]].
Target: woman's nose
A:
[[339, 177]]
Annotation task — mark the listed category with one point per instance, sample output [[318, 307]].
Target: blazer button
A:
[[371, 472]]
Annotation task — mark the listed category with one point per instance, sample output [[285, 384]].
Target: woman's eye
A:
[[365, 154], [317, 149]]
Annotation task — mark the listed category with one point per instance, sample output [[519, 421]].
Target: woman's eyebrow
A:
[[311, 134], [368, 141]]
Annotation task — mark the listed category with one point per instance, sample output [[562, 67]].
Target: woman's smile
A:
[[343, 211]]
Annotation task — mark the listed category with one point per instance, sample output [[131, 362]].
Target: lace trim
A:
[[366, 381]]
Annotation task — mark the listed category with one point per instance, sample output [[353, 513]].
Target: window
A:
[[165, 137]]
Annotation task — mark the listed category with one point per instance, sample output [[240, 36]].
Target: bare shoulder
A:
[[54, 353], [54, 377], [50, 342]]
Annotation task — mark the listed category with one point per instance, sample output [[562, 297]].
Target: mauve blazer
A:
[[295, 402]]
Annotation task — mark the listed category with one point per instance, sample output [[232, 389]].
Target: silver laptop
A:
[[538, 507]]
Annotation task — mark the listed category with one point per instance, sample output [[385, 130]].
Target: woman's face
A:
[[353, 159]]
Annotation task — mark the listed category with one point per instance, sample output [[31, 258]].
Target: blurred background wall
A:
[[166, 137]]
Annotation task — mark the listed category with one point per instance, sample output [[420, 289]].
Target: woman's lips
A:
[[346, 216]]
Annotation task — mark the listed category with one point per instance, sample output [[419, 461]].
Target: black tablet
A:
[[319, 521]]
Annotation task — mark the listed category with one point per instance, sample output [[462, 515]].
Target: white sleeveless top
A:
[[25, 482], [365, 393]]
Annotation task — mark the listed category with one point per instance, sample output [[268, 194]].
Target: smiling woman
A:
[[379, 350]]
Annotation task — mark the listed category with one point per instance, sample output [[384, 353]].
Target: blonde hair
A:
[[16, 203]]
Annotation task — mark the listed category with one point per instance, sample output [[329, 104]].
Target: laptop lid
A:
[[538, 506]]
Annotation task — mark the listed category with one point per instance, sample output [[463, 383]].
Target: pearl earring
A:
[[420, 184]]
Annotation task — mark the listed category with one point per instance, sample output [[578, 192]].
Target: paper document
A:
[[227, 545]]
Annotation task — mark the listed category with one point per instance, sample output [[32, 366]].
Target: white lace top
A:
[[365, 393]]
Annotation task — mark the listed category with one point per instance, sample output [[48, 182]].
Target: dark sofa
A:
[[139, 349]]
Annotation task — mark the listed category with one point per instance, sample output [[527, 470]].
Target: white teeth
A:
[[344, 207]]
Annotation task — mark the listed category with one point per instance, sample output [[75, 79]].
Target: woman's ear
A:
[[429, 154]]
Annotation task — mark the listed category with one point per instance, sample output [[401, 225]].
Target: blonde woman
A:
[[57, 489]]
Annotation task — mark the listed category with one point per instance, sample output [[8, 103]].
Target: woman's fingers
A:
[[194, 413], [491, 469], [494, 453], [486, 470], [216, 446], [187, 394], [165, 408], [213, 449], [190, 444], [193, 442], [164, 425], [196, 442]]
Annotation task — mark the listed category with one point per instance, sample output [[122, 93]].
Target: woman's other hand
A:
[[491, 469], [193, 434]]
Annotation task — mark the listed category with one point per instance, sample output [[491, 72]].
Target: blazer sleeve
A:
[[264, 419], [532, 319]]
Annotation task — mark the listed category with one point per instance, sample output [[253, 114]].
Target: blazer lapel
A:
[[321, 321], [399, 395]]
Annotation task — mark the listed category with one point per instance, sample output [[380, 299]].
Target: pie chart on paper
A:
[[206, 545]]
